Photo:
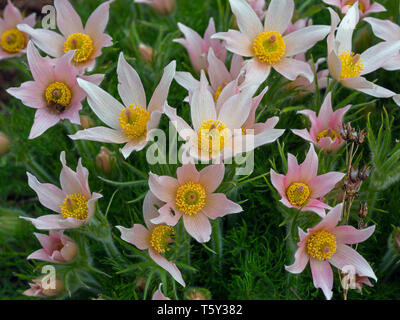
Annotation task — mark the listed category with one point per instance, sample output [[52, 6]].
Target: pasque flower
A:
[[192, 196], [57, 247], [266, 45], [87, 42], [12, 41], [132, 123], [197, 47], [301, 187], [161, 6], [74, 202], [158, 295], [154, 237], [390, 32], [217, 134], [325, 128], [54, 91], [327, 244], [364, 6], [41, 288], [349, 68]]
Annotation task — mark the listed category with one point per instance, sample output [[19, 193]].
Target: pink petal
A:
[[68, 21], [130, 86], [303, 134], [40, 254], [236, 42], [316, 206], [279, 15], [331, 220], [198, 226], [138, 235], [292, 68], [169, 214], [256, 72], [158, 295], [323, 184], [351, 235], [277, 181], [100, 134], [12, 16], [184, 130], [375, 7], [163, 187], [374, 57], [41, 68], [151, 206], [322, 276], [336, 3], [188, 173], [97, 22], [301, 259], [43, 121], [384, 29], [309, 168], [304, 39], [217, 71], [49, 222], [218, 205], [211, 177], [168, 266], [30, 93], [161, 92], [346, 28], [69, 181], [346, 256], [247, 20]]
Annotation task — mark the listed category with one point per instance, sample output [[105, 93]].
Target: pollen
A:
[[321, 245], [133, 121], [58, 96], [298, 193], [218, 91], [269, 47], [160, 237], [75, 206], [13, 41], [351, 65], [212, 137], [361, 6], [327, 133], [191, 198], [83, 45]]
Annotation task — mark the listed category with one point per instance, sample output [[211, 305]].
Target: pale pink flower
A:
[[197, 47], [299, 24], [258, 6], [224, 83], [301, 187], [87, 42], [326, 244], [267, 46], [191, 196], [388, 31], [158, 295], [349, 68], [57, 248], [12, 41], [154, 238], [325, 129], [364, 6], [130, 124], [41, 288], [163, 7], [217, 134], [74, 202], [54, 91]]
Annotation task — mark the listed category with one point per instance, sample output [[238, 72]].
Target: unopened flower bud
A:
[[163, 7], [41, 288], [4, 144], [146, 52], [197, 294], [140, 283], [86, 122], [104, 160]]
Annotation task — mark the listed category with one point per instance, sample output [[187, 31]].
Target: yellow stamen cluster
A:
[[298, 193], [327, 133], [75, 206], [133, 121], [321, 245], [82, 44], [361, 6], [58, 96], [351, 65], [269, 47], [212, 137], [160, 238], [190, 198], [218, 91], [13, 41]]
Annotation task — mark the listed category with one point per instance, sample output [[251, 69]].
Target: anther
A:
[[272, 39]]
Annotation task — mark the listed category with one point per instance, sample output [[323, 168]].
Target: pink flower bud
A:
[[4, 144], [86, 122], [37, 289], [146, 52], [103, 160]]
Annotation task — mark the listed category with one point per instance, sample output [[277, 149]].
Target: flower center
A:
[[133, 121], [212, 137], [351, 65], [327, 133], [321, 245], [82, 44], [160, 238], [190, 198], [361, 6], [269, 46], [13, 41], [58, 97], [75, 206], [297, 193]]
